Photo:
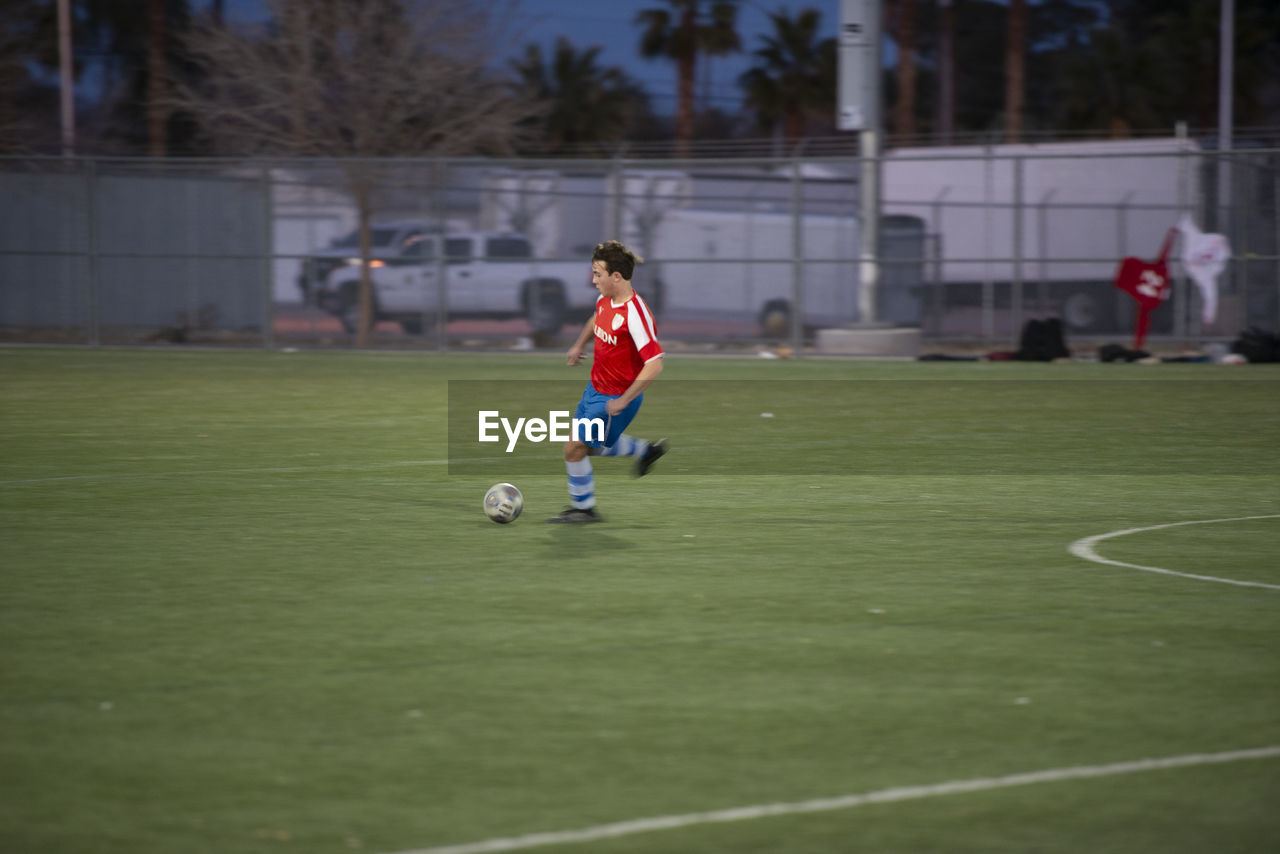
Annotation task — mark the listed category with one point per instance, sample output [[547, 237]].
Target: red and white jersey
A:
[[626, 340]]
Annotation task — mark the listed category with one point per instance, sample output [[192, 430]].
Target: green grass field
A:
[[251, 604]]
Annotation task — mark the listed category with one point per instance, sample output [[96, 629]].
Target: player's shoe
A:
[[651, 456], [576, 516]]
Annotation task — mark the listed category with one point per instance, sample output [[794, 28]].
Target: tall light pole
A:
[[67, 82], [1226, 73], [946, 73], [858, 109]]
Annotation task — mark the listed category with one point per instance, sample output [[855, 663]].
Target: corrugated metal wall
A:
[[86, 244]]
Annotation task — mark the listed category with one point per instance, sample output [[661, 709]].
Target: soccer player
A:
[[627, 358]]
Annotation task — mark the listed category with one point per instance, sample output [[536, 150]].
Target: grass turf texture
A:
[[247, 608]]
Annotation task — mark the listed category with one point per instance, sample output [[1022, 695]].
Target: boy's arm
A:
[[643, 380], [574, 355]]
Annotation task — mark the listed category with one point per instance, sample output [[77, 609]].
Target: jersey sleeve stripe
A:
[[640, 332], [640, 325], [644, 310]]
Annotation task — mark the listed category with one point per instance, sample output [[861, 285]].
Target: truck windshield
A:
[[378, 236], [498, 248]]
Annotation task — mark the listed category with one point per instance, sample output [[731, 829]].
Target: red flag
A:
[[1148, 283]]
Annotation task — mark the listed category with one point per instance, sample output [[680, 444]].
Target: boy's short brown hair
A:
[[616, 258]]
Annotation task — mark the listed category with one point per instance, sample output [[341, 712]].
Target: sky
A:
[[610, 23]]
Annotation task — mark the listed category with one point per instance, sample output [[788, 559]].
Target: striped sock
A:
[[626, 446], [582, 484]]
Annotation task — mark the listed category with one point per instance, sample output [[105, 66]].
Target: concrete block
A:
[[904, 342]]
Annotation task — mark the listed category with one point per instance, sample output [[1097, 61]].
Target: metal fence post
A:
[[988, 286], [1240, 200], [869, 192], [1184, 206], [938, 309], [190, 315], [268, 260], [616, 168], [442, 264], [937, 293], [91, 204], [1015, 298], [1042, 247], [1122, 243], [1275, 217], [797, 259]]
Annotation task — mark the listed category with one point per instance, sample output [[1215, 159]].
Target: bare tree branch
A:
[[355, 80]]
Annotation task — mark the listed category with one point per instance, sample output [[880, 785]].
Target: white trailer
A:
[[717, 243], [1058, 215], [740, 265]]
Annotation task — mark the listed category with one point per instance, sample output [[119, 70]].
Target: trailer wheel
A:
[[1081, 311], [775, 319], [656, 297], [544, 305]]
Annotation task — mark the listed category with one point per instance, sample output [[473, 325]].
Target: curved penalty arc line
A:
[[1084, 548]]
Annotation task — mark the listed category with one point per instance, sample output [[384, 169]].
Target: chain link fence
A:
[[740, 253]]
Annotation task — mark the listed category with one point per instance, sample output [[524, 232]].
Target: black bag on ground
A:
[[1119, 353], [1042, 341], [1257, 345]]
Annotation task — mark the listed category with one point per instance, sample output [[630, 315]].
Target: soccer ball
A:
[[503, 503]]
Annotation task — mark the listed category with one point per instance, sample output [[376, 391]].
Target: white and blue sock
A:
[[582, 484], [626, 446]]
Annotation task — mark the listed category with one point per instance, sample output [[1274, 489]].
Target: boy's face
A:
[[605, 282]]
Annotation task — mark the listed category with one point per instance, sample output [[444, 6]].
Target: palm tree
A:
[[904, 114], [139, 45], [584, 103], [1015, 63], [681, 33], [157, 80], [20, 87], [795, 76]]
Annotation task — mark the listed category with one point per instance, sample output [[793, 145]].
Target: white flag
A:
[[1204, 256]]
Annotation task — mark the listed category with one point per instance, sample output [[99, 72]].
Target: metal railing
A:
[[739, 252]]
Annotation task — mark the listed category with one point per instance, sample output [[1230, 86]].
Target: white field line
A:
[[883, 796], [1083, 548], [197, 472]]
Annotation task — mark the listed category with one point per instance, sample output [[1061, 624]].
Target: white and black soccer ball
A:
[[503, 503]]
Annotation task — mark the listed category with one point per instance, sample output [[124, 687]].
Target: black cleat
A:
[[651, 456], [576, 516]]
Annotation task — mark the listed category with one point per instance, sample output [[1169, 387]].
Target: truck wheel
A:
[[416, 325], [1082, 312], [545, 306], [775, 319], [349, 308]]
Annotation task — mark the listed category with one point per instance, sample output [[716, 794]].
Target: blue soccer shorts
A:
[[592, 406]]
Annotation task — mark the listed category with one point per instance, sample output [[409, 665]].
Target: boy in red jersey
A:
[[627, 358]]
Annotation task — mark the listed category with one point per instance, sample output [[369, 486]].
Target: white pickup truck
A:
[[482, 274]]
